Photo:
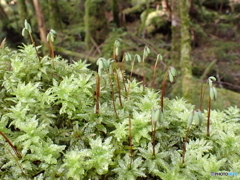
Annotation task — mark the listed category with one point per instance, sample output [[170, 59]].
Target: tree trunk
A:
[[22, 10], [185, 61], [176, 33], [40, 20]]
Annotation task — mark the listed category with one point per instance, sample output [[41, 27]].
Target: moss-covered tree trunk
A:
[[185, 60], [22, 10], [95, 22], [176, 33]]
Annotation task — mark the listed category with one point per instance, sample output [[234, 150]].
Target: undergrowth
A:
[[51, 128]]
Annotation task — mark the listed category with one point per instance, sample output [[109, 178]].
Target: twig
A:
[[12, 146]]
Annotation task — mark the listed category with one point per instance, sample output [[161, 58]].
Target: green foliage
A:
[[91, 162], [129, 169], [48, 114]]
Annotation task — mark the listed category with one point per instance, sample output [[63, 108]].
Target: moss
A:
[[153, 20], [137, 6]]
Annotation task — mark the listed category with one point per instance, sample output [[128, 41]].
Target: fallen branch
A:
[[75, 54]]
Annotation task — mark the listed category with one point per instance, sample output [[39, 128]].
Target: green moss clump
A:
[[50, 129]]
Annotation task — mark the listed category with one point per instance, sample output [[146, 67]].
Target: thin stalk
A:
[[163, 90], [143, 73], [130, 140], [128, 91], [97, 93], [153, 135], [184, 146], [208, 117], [154, 73], [51, 50], [122, 68], [12, 146], [201, 97], [18, 164], [34, 45], [119, 88], [113, 98], [145, 54], [115, 71], [18, 155], [130, 77], [114, 56]]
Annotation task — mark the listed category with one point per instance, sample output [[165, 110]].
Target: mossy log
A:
[[75, 54]]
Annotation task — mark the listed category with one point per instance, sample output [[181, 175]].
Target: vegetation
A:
[[59, 119], [65, 122], [199, 38]]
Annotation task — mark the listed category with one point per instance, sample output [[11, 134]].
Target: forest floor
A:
[[215, 51]]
